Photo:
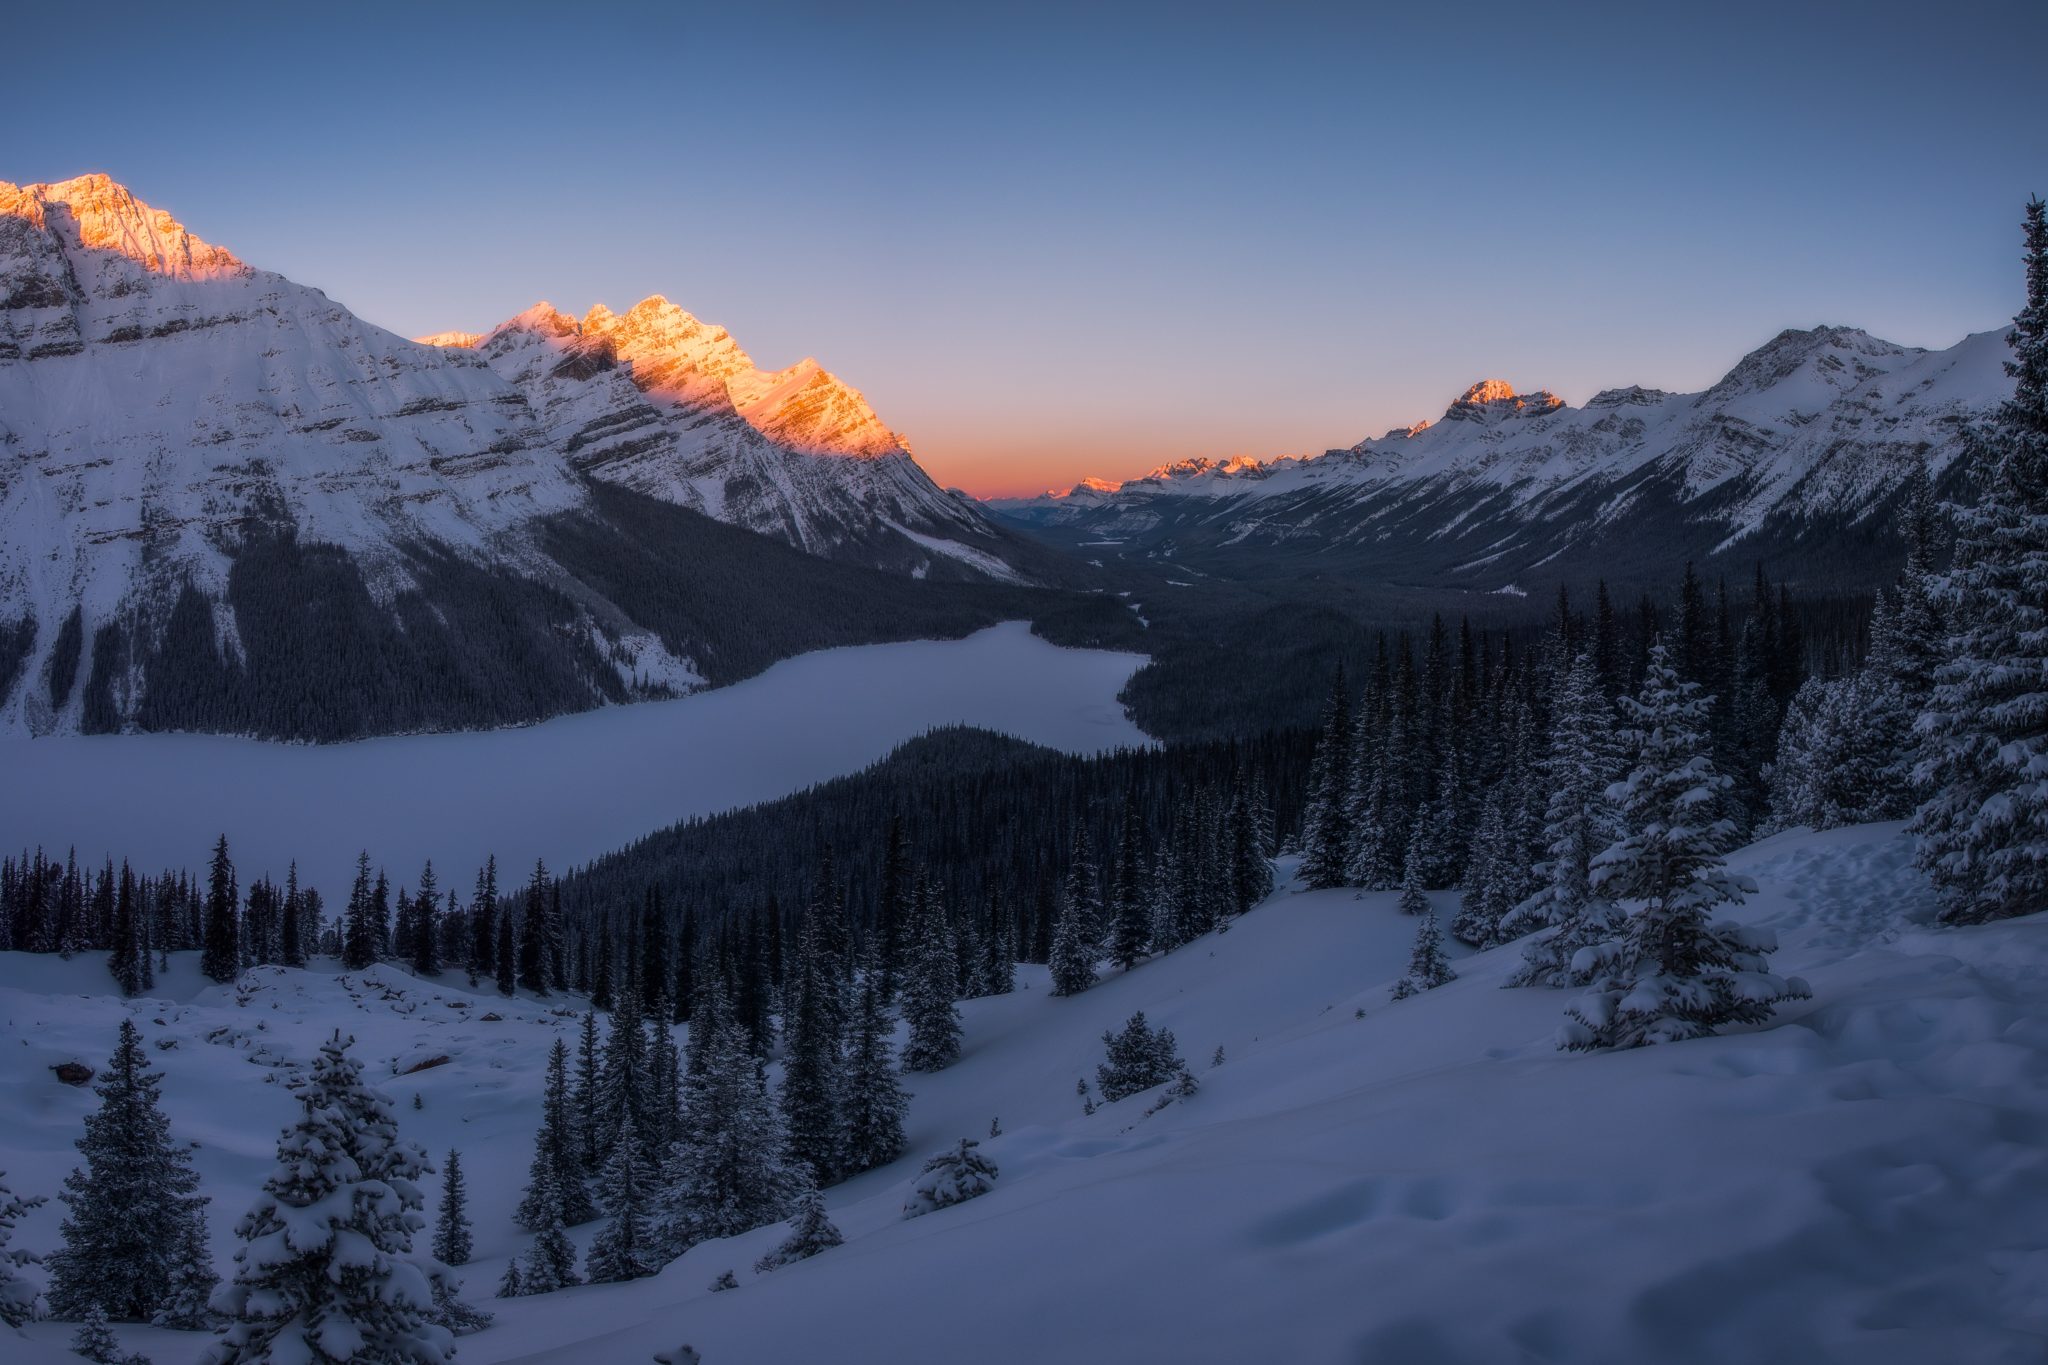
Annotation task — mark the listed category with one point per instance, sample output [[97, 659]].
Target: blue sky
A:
[[1053, 241]]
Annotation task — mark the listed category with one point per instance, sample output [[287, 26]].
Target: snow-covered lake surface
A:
[[567, 790]]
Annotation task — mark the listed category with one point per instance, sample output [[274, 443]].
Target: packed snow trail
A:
[[1863, 1180]]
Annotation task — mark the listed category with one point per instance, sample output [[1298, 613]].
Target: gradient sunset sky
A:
[[1057, 241]]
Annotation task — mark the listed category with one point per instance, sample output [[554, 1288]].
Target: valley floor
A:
[[1864, 1180]]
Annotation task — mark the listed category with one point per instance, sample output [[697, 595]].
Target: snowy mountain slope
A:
[[1805, 441], [227, 503], [656, 401], [1863, 1180]]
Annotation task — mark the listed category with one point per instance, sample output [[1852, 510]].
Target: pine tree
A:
[[550, 1262], [1326, 836], [508, 956], [928, 1007], [1130, 920], [186, 1306], [810, 1232], [1428, 968], [625, 1248], [555, 1177], [1251, 875], [812, 1085], [18, 1296], [327, 1274], [1672, 972], [131, 1204], [1138, 1058], [952, 1177], [96, 1341], [129, 960], [585, 1106], [1564, 917], [1072, 959], [1984, 830], [874, 1103], [1486, 900], [1413, 901], [726, 1175], [359, 925], [533, 936], [426, 944], [483, 916], [452, 1243], [222, 959]]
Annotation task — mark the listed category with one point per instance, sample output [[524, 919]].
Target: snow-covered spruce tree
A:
[[1130, 928], [554, 1154], [1139, 1057], [188, 1303], [1326, 818], [584, 1099], [1486, 900], [1428, 968], [810, 1232], [131, 1204], [726, 1175], [550, 1260], [327, 1274], [1072, 958], [96, 1341], [359, 924], [954, 1176], [1412, 901], [1984, 826], [452, 1243], [812, 1084], [1837, 760], [928, 1008], [1672, 972], [623, 1091], [625, 1248], [873, 1100], [511, 1284], [18, 1296], [1564, 916], [426, 938]]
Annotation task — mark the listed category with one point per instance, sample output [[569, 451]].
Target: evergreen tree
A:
[[874, 1102], [483, 916], [507, 974], [533, 937], [1139, 1057], [928, 1008], [585, 1103], [327, 1274], [625, 1248], [452, 1244], [952, 1177], [1413, 901], [129, 960], [1984, 829], [812, 1084], [1672, 972], [1486, 900], [810, 1232], [726, 1176], [96, 1341], [550, 1262], [133, 1202], [1130, 917], [1564, 917], [1326, 825], [222, 959], [296, 932], [186, 1306], [1428, 968], [426, 944], [1072, 958], [359, 925], [18, 1297], [554, 1186]]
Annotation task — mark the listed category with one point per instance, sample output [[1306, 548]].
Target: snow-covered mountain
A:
[[1802, 445], [220, 489]]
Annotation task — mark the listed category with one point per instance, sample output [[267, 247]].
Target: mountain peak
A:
[[97, 213], [1497, 398]]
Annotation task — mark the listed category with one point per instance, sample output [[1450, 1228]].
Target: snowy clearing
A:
[[1864, 1180], [566, 790]]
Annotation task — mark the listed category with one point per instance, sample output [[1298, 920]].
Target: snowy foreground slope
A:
[[1865, 1180]]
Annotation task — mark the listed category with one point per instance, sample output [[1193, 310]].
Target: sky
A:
[[1052, 241]]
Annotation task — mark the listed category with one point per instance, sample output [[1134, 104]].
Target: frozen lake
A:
[[566, 790]]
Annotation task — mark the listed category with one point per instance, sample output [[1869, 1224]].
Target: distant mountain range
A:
[[1794, 458], [227, 503]]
